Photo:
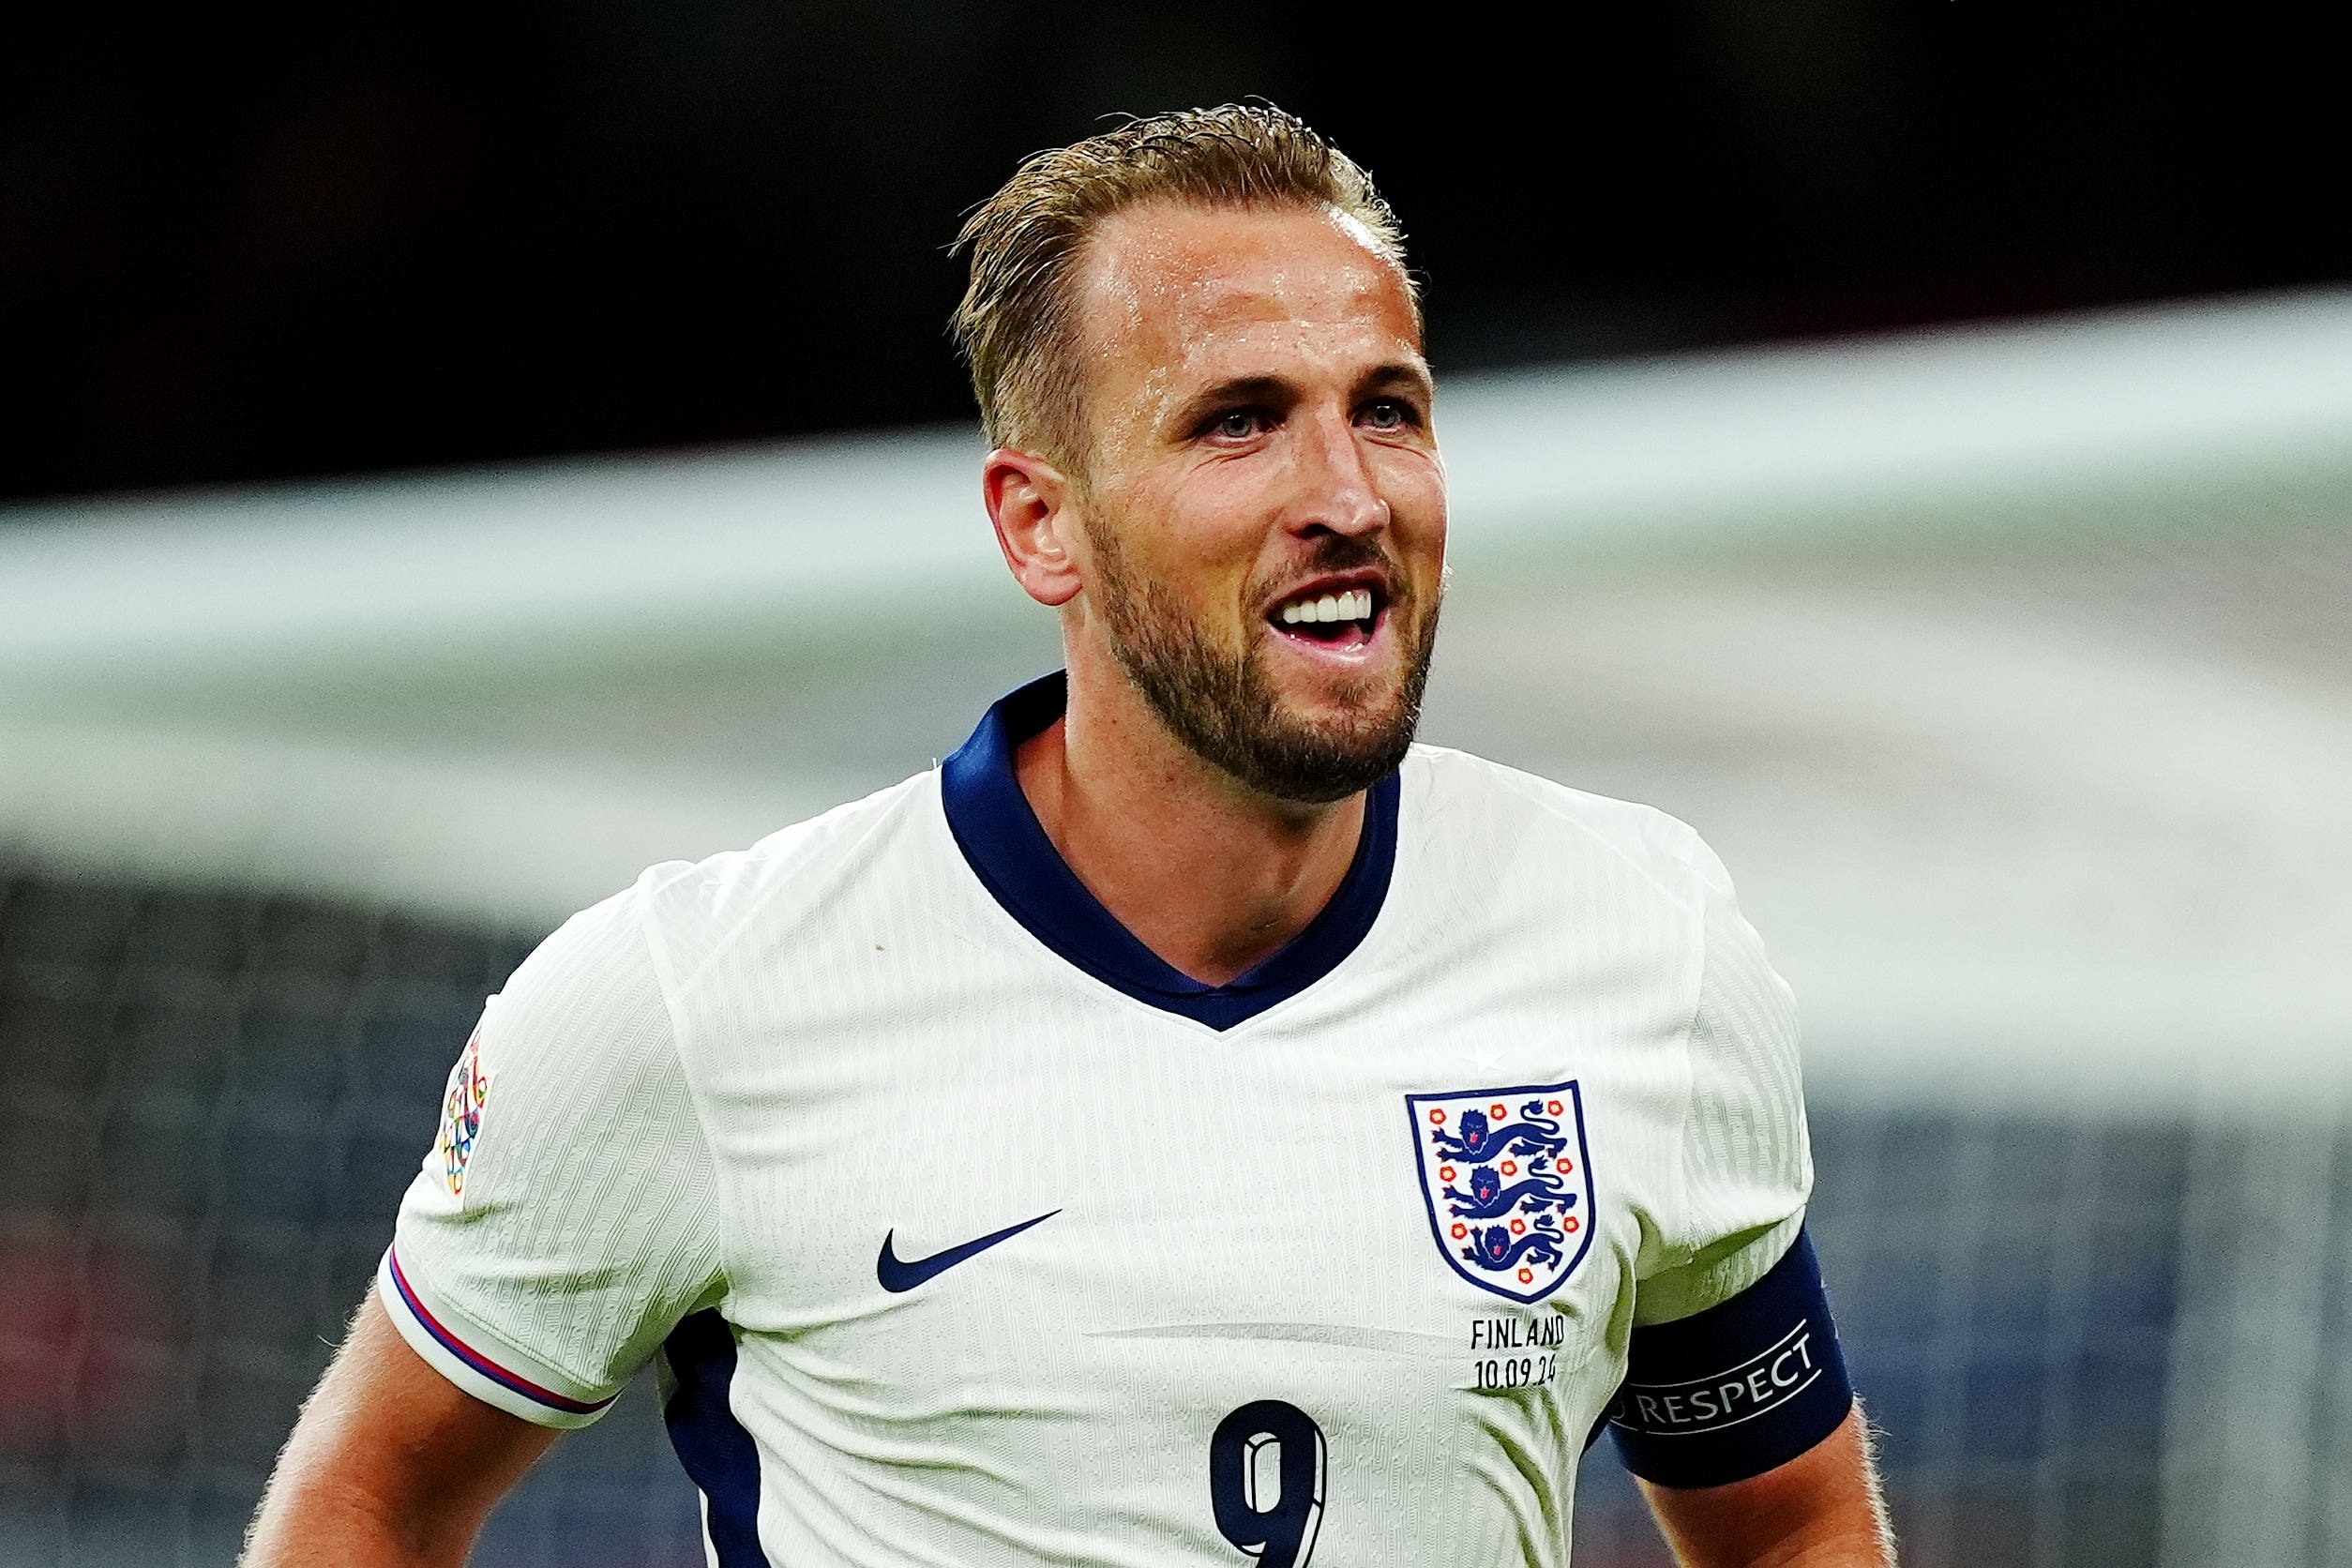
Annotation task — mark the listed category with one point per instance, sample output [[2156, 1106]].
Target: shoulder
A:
[[1467, 801], [740, 902]]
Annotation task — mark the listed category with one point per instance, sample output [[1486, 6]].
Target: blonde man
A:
[[1194, 1124]]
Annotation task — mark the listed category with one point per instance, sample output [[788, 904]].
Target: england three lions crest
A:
[[1507, 1185]]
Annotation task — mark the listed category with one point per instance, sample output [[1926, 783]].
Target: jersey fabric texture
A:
[[965, 1230]]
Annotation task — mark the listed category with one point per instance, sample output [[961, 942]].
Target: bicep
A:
[[390, 1463]]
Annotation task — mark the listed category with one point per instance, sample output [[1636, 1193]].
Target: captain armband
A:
[[1734, 1391]]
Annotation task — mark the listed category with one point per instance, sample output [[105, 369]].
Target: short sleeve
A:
[[1745, 1160], [566, 1218]]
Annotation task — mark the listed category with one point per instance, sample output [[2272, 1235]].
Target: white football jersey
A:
[[966, 1231]]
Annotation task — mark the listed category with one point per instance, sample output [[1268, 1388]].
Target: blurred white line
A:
[[500, 839], [651, 547], [2099, 401]]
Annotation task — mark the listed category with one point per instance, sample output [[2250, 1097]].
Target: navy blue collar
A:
[[1009, 853]]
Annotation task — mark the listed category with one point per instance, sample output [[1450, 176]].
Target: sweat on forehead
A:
[[1168, 295], [1171, 255]]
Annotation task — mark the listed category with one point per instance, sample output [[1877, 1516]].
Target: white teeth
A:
[[1353, 605]]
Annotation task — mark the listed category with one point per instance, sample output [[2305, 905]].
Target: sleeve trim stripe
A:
[[479, 1362]]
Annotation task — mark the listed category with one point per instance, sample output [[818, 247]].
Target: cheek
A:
[[1191, 539], [1413, 484], [1214, 525]]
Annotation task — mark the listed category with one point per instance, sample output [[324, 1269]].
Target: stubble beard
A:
[[1224, 707]]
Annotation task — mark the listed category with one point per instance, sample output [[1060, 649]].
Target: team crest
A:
[[462, 1114], [1509, 1190]]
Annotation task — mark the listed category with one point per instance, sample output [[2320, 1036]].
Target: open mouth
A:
[[1338, 618]]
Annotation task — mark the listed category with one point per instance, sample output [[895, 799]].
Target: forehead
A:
[[1171, 288]]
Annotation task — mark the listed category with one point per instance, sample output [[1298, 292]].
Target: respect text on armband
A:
[[1760, 1385]]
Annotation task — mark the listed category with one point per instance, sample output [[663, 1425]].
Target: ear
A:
[[1029, 503]]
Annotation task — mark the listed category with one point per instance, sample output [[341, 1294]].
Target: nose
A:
[[1335, 490]]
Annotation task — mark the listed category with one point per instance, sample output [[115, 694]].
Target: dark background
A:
[[238, 247]]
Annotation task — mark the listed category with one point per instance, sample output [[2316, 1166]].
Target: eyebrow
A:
[[1414, 377], [1241, 389]]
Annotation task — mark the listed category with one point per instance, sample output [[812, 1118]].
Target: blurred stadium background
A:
[[2008, 669], [1922, 462]]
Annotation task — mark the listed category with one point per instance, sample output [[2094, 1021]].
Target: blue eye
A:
[[1387, 414], [1240, 425]]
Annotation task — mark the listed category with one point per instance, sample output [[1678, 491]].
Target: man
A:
[[1194, 1124]]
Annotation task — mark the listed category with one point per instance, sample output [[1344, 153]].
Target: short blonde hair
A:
[[1016, 325]]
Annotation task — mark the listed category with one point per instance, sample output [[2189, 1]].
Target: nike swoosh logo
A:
[[895, 1273]]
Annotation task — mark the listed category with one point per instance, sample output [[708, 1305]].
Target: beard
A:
[[1224, 705]]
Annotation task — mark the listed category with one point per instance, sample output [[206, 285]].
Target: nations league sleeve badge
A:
[[462, 1114], [1507, 1183]]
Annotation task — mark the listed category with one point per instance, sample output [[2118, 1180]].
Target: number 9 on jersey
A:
[[1266, 1482]]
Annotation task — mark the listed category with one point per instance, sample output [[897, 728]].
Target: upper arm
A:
[[1733, 1367], [391, 1462], [566, 1218], [1744, 1156]]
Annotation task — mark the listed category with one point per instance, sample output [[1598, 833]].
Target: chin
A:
[[1347, 726], [1369, 702], [1360, 738]]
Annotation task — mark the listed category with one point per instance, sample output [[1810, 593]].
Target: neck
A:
[[1209, 874]]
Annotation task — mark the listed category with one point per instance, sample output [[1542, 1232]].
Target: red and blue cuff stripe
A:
[[480, 1363]]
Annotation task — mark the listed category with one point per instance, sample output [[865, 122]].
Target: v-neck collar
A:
[[1007, 849]]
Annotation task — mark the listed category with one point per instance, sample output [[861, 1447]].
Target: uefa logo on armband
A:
[[462, 1114], [1506, 1181]]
